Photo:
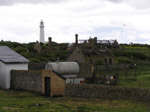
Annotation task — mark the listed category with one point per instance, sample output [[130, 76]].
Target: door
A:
[[47, 86]]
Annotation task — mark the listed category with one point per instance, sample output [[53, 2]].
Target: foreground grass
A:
[[20, 101]]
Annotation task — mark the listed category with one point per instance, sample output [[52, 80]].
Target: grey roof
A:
[[103, 41], [106, 41], [112, 41], [8, 55]]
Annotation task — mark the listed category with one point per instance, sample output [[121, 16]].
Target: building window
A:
[[110, 61], [105, 60]]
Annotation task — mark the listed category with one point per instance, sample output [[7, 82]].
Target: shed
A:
[[53, 84], [45, 81], [69, 70], [10, 60]]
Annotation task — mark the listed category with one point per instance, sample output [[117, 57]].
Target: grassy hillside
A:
[[28, 51], [135, 53], [20, 101]]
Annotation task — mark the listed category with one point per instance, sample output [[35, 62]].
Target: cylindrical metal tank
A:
[[63, 67]]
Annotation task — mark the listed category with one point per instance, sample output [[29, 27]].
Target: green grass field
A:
[[144, 50], [142, 74], [142, 78], [22, 101]]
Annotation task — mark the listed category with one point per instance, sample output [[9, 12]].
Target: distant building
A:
[[42, 37], [48, 46], [76, 55], [92, 51], [10, 60], [37, 47], [110, 43]]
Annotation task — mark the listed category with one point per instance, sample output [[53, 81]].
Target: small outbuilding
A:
[[46, 81], [53, 84], [10, 60]]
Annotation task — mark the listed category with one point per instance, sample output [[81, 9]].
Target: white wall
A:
[[5, 74], [74, 81], [2, 74]]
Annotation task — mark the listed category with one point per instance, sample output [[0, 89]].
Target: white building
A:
[[42, 38], [10, 60]]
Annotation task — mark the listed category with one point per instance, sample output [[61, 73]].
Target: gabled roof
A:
[[112, 41], [8, 55]]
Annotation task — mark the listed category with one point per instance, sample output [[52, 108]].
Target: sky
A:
[[124, 20]]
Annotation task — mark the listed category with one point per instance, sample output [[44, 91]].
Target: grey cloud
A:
[[138, 4], [115, 1], [11, 2]]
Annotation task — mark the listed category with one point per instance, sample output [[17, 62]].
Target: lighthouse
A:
[[42, 38]]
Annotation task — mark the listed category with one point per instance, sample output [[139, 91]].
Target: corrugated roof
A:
[[8, 55]]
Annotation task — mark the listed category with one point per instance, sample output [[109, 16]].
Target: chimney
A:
[[49, 39], [95, 40], [76, 35]]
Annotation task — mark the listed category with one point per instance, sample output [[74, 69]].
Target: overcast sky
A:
[[124, 20]]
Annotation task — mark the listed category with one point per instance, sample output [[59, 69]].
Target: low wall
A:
[[26, 80], [107, 92]]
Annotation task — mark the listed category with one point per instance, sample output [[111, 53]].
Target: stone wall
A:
[[115, 66], [108, 92], [27, 80]]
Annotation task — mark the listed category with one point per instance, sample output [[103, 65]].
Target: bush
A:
[[132, 55]]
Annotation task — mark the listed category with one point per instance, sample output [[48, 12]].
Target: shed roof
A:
[[8, 55]]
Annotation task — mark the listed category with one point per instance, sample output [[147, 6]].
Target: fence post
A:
[[117, 70], [100, 71], [108, 69], [126, 73], [139, 84], [135, 71]]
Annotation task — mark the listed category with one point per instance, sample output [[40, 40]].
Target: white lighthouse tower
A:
[[42, 38]]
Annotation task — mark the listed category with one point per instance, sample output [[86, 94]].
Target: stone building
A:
[[76, 55], [91, 51], [53, 84], [45, 82], [44, 47], [37, 47]]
